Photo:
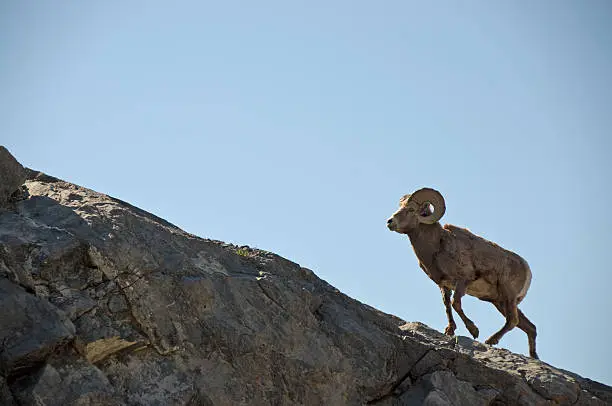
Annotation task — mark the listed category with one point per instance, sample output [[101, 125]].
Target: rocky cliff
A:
[[105, 304]]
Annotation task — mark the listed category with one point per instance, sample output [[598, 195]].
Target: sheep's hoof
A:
[[492, 340], [473, 331], [450, 330]]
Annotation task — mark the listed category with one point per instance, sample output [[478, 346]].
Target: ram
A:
[[457, 260]]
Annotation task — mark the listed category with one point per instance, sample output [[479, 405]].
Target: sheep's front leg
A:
[[459, 292], [446, 298]]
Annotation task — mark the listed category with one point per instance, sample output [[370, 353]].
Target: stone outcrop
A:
[[106, 304], [12, 176]]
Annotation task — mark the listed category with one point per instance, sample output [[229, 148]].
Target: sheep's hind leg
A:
[[446, 298], [509, 310], [459, 292], [527, 326], [530, 329]]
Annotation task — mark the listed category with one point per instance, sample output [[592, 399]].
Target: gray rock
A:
[[117, 303], [439, 398], [455, 391], [164, 317], [31, 329], [72, 302], [69, 381], [6, 397], [12, 175]]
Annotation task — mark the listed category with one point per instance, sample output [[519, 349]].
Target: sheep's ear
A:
[[425, 210], [430, 196]]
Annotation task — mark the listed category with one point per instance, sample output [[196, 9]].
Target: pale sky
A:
[[295, 127]]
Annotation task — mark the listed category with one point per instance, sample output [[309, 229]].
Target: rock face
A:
[[105, 304], [12, 176]]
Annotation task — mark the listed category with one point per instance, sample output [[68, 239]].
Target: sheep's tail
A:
[[527, 282]]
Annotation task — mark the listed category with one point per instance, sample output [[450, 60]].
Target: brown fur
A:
[[460, 261]]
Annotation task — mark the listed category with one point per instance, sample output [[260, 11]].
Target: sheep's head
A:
[[423, 206]]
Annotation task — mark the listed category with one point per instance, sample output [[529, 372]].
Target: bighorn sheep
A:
[[455, 259]]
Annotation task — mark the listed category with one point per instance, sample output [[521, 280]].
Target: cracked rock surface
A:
[[106, 304]]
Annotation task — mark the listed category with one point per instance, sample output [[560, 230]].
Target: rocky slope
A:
[[105, 304]]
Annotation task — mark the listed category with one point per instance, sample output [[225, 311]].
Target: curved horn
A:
[[428, 195]]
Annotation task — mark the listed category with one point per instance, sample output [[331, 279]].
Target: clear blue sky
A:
[[296, 126]]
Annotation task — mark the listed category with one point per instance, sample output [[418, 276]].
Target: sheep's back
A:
[[484, 254], [490, 263]]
